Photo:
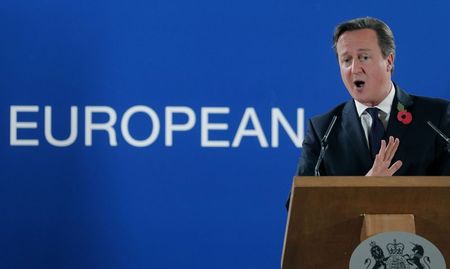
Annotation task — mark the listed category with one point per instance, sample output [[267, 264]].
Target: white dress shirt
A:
[[385, 111]]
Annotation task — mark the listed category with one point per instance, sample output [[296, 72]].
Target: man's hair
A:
[[384, 34]]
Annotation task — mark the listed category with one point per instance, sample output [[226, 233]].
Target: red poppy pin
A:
[[403, 115]]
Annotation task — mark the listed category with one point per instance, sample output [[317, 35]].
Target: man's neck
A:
[[384, 105]]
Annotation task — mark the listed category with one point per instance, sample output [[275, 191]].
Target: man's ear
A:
[[390, 61]]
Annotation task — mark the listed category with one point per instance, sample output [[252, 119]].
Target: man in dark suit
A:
[[383, 130]]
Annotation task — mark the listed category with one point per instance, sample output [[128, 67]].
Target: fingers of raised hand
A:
[[381, 154], [394, 168], [382, 164], [391, 148]]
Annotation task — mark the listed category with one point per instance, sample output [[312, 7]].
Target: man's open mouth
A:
[[359, 83]]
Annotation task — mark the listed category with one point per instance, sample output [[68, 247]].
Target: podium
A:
[[326, 216]]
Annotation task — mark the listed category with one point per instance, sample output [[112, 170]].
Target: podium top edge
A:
[[361, 181]]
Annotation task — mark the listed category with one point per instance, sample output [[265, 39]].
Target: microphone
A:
[[436, 129], [324, 146]]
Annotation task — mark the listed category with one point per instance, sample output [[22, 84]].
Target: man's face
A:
[[364, 71]]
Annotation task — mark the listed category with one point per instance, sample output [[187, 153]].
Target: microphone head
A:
[[327, 133]]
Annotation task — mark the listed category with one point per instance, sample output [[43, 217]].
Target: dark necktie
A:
[[376, 133]]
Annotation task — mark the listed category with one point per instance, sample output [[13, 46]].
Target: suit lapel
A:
[[395, 127], [354, 133]]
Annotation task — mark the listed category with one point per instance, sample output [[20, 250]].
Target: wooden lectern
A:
[[330, 216]]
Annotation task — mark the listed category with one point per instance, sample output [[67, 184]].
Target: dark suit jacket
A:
[[421, 150]]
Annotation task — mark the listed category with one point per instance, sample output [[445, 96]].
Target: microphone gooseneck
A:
[[324, 146], [436, 129]]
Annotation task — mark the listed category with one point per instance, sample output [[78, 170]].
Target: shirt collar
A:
[[384, 106]]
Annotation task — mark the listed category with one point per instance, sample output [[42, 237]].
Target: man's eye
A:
[[365, 57]]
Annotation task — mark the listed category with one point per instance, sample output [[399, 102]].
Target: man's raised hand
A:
[[382, 164]]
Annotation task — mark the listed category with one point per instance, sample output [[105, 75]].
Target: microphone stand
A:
[[324, 146], [436, 129]]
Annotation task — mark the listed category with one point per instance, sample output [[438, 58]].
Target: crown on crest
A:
[[395, 248]]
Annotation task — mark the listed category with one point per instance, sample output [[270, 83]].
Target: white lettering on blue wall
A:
[[249, 126]]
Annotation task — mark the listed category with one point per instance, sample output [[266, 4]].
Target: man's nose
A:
[[357, 67]]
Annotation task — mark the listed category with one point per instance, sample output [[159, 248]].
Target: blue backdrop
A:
[[186, 205]]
